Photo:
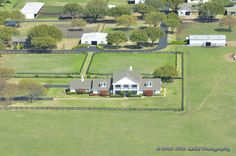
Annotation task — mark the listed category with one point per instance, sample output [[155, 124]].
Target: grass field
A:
[[143, 63], [43, 62], [208, 121], [206, 28]]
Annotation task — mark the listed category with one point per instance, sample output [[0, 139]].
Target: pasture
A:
[[48, 63], [143, 63]]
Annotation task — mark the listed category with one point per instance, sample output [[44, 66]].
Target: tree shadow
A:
[[132, 47], [222, 30], [122, 29], [75, 29]]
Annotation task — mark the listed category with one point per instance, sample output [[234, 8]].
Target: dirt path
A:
[[86, 64]]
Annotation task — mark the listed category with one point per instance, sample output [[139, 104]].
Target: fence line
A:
[[46, 75], [45, 108]]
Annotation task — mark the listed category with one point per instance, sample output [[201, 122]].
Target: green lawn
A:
[[143, 63], [43, 62], [208, 121], [206, 28]]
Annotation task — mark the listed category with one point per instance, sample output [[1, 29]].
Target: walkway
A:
[[86, 63]]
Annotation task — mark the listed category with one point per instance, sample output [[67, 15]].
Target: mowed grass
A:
[[209, 120], [143, 63], [206, 29], [52, 63]]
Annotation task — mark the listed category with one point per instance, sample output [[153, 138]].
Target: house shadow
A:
[[222, 30]]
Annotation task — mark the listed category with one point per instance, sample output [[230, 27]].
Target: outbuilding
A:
[[32, 9], [94, 38], [207, 40], [135, 1], [230, 11]]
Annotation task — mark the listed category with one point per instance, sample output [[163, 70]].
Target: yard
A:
[[213, 28], [143, 63], [209, 120], [49, 63]]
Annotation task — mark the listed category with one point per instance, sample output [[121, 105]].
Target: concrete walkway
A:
[[86, 64]]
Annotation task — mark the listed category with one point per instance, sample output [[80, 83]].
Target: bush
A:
[[104, 93], [181, 42], [148, 93], [134, 95], [81, 46], [100, 47], [122, 93], [116, 96], [81, 91]]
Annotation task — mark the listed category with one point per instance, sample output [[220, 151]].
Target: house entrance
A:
[[94, 42]]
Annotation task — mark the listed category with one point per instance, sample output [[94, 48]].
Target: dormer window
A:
[[148, 84], [102, 84]]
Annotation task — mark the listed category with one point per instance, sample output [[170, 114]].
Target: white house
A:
[[94, 38], [31, 9], [186, 9], [197, 1], [135, 1], [207, 40], [231, 10], [125, 81]]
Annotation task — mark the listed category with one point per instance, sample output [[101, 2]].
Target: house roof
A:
[[207, 37], [78, 84], [94, 36], [156, 84], [32, 8], [231, 9], [97, 87], [19, 39], [133, 76]]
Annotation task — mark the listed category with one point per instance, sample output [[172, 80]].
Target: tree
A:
[[210, 9], [73, 9], [143, 9], [119, 11], [155, 18], [126, 20], [229, 21], [222, 2], [6, 33], [173, 4], [9, 92], [154, 34], [96, 9], [172, 21], [116, 38], [138, 36], [41, 43], [6, 73], [31, 88], [166, 73], [158, 4], [17, 15], [45, 31], [79, 23]]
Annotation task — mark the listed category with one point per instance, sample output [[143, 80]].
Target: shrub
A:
[[81, 91], [148, 93], [122, 93], [181, 42], [81, 46], [100, 47], [116, 96], [104, 93]]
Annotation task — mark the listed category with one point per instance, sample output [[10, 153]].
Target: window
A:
[[102, 84], [126, 86], [134, 86], [148, 84], [118, 86]]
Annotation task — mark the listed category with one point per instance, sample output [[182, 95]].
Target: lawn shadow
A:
[[122, 29], [132, 47], [222, 30], [75, 29]]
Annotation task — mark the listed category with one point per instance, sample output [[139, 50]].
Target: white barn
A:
[[94, 38], [31, 9], [135, 1], [207, 40]]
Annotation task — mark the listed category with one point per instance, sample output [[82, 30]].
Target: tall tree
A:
[[155, 18], [96, 9], [143, 9], [173, 4], [6, 33], [73, 9], [43, 43], [31, 88], [119, 11], [229, 21], [126, 20], [157, 4], [166, 73], [154, 33], [116, 38], [80, 23], [138, 36], [172, 21], [211, 9]]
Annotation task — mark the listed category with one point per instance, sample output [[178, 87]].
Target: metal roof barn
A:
[[31, 9], [94, 38], [207, 40]]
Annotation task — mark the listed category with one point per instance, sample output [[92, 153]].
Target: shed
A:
[[31, 9], [94, 38], [135, 1], [231, 10], [207, 40]]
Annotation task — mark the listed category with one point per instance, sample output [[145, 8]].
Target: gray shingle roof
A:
[[133, 76], [97, 87], [78, 84], [156, 84]]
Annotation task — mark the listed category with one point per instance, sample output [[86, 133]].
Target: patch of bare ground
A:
[[230, 57]]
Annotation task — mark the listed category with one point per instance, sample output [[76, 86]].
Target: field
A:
[[208, 121], [43, 62], [206, 28], [144, 63]]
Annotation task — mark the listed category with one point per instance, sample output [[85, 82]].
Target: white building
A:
[[197, 1], [135, 1], [31, 9], [207, 40], [94, 38], [186, 9]]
